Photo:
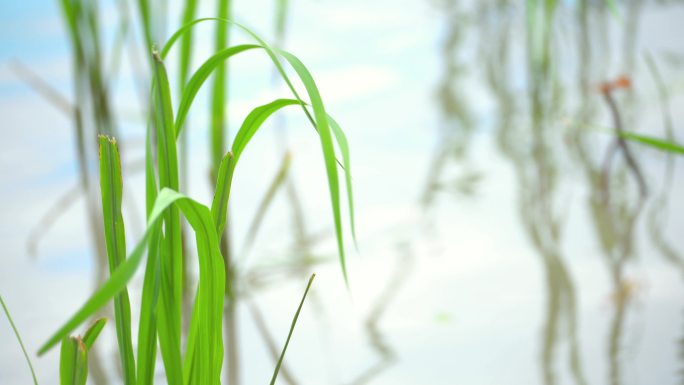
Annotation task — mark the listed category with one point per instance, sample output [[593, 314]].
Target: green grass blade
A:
[[273, 55], [320, 122], [249, 127], [147, 327], [111, 186], [171, 259], [93, 332], [117, 281], [209, 342], [346, 160], [184, 60], [73, 362], [324, 133], [199, 77], [660, 144], [21, 343], [224, 181], [266, 201], [150, 175], [262, 44], [289, 334]]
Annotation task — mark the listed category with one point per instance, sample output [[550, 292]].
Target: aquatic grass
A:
[[161, 316], [320, 122]]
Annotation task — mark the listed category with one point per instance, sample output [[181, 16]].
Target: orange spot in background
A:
[[621, 82]]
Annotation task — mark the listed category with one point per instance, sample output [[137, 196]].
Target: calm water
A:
[[503, 237]]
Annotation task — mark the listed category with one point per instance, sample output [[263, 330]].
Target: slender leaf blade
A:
[[111, 185], [292, 326]]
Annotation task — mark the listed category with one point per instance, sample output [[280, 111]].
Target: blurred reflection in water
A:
[[456, 123], [532, 132], [386, 352]]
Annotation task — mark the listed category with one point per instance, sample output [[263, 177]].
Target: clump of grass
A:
[[162, 300]]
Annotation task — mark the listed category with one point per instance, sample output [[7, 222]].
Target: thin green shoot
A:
[[289, 334], [21, 343]]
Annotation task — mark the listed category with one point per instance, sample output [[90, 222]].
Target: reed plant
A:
[[195, 358]]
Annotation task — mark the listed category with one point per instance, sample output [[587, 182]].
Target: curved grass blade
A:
[[93, 332], [21, 343], [251, 124], [118, 280], [320, 123], [199, 77], [289, 334], [324, 133], [73, 362], [249, 127], [346, 160], [111, 185]]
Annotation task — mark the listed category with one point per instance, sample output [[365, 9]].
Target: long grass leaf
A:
[[171, 258], [320, 123], [271, 52], [111, 186], [209, 345], [289, 334], [21, 343], [325, 136]]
